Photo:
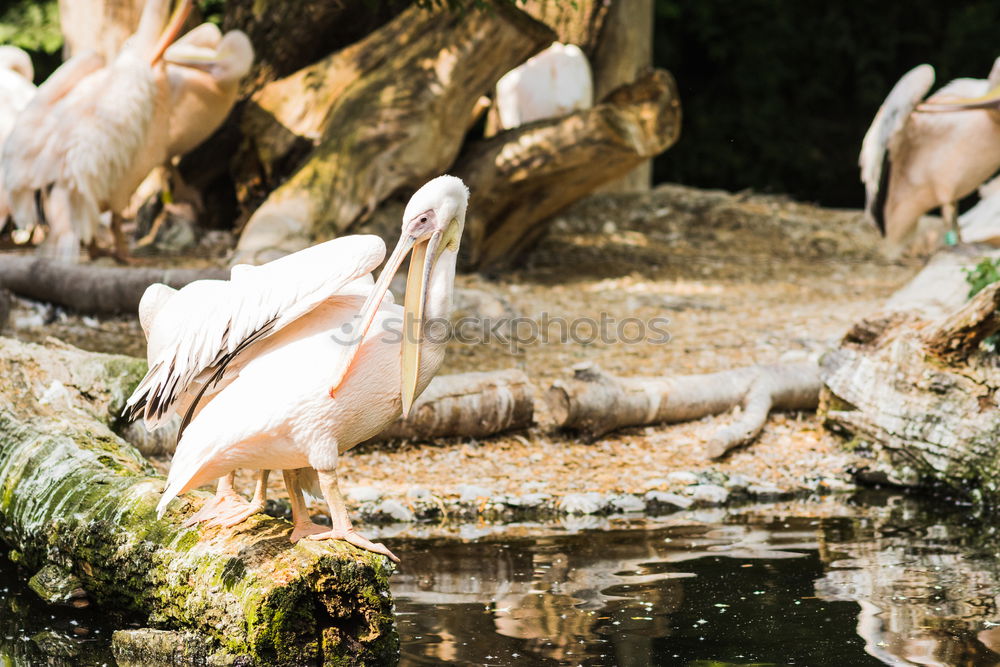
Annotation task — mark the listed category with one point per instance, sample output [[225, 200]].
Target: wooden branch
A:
[[594, 402], [963, 331], [471, 405], [74, 496], [521, 177], [384, 114], [86, 288]]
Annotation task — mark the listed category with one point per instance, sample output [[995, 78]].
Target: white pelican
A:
[[553, 83], [16, 90], [289, 364], [914, 162], [204, 68], [91, 134]]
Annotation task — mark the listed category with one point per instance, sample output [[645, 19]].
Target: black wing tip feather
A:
[[876, 209]]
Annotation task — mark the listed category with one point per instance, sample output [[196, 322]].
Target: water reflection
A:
[[926, 582], [884, 580], [673, 594]]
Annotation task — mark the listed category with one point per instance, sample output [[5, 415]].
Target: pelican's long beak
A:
[[425, 252], [414, 304], [173, 29], [188, 55], [990, 100]]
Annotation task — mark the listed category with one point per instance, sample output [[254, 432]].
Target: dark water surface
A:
[[886, 580]]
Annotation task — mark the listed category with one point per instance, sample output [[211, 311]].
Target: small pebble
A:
[[682, 477], [396, 510], [583, 503], [709, 494]]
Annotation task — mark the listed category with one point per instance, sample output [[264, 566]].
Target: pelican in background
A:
[[914, 162], [553, 83], [91, 134], [17, 87], [290, 364], [204, 70]]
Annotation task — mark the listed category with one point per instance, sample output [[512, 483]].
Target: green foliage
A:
[[32, 26], [982, 275], [212, 11], [777, 94], [979, 278]]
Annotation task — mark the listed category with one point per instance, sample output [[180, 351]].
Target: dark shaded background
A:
[[777, 94]]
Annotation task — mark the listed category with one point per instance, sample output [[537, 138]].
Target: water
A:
[[883, 580]]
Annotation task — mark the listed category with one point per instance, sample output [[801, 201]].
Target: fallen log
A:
[[471, 405], [523, 176], [593, 402], [384, 114], [915, 385], [87, 288], [76, 497]]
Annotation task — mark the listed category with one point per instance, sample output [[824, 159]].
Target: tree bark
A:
[[915, 384], [594, 402], [287, 36], [623, 52], [384, 114], [523, 176], [74, 496], [93, 289]]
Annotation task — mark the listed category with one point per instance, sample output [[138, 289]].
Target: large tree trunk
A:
[[287, 36], [75, 498], [915, 383], [384, 114], [523, 176], [622, 54]]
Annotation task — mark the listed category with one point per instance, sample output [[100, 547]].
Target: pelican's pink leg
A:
[[341, 528], [302, 524], [227, 507], [241, 510]]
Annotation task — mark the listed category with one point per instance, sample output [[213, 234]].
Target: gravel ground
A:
[[741, 279]]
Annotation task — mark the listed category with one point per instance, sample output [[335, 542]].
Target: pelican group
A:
[[912, 161], [95, 130], [290, 364]]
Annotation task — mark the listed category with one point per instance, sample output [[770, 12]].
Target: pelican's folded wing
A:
[[204, 327], [880, 138]]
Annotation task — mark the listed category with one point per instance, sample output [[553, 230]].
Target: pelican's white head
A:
[[432, 226], [16, 60], [437, 208]]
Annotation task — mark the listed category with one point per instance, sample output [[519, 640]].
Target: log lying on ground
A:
[[523, 176], [471, 405], [914, 382], [75, 496], [594, 402], [86, 288], [384, 114]]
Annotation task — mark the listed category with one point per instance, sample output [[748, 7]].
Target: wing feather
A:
[[206, 326], [884, 132]]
